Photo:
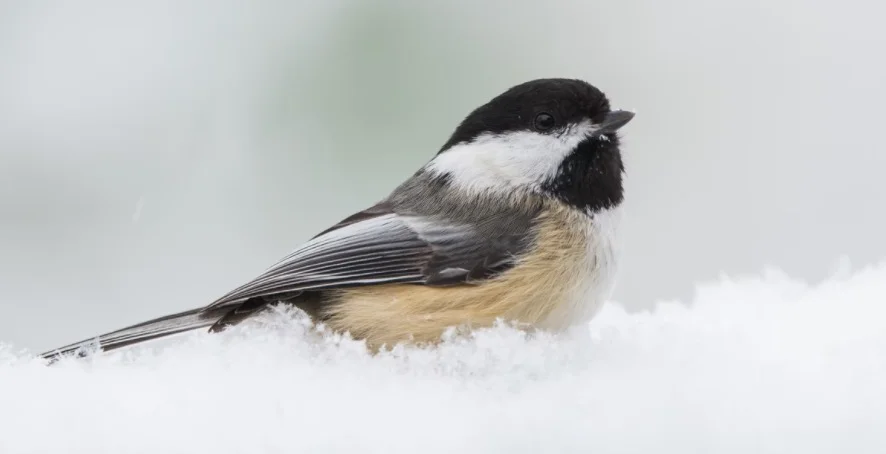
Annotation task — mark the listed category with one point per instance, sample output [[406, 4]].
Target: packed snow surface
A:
[[756, 365]]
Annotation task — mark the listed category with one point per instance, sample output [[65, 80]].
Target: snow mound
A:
[[760, 365]]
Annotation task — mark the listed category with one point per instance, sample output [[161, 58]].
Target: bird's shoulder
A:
[[469, 235]]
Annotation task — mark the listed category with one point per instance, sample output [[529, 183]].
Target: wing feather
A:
[[395, 241], [383, 248]]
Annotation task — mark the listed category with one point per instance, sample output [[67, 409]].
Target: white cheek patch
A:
[[519, 159]]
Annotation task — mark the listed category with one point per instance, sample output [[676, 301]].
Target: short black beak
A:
[[612, 121]]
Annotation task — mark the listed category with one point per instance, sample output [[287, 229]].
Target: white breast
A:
[[596, 280]]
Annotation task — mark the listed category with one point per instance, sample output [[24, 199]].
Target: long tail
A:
[[216, 318]]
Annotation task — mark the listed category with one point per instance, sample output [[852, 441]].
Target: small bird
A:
[[515, 218]]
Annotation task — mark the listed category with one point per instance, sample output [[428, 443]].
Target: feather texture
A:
[[563, 279], [374, 247]]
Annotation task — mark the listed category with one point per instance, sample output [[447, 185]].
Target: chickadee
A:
[[515, 218]]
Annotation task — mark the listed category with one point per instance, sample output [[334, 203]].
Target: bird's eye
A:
[[544, 121]]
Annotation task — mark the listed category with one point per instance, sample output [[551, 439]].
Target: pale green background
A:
[[154, 155]]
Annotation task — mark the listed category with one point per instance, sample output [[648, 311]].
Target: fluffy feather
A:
[[567, 272]]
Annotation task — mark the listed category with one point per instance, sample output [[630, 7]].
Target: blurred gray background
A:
[[153, 155]]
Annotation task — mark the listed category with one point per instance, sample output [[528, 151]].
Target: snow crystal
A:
[[760, 365]]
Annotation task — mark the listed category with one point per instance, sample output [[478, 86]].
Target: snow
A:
[[760, 364]]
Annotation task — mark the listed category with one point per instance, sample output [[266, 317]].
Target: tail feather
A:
[[150, 330]]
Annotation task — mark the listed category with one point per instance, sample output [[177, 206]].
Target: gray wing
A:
[[375, 246], [379, 246]]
